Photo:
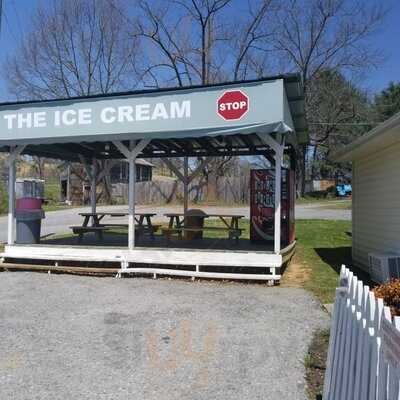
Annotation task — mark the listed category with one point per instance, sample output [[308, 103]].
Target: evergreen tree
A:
[[387, 102]]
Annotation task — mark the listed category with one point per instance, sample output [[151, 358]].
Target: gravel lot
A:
[[71, 337]]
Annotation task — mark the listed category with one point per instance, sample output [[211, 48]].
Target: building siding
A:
[[376, 204]]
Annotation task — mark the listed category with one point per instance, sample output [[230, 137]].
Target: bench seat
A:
[[99, 230], [234, 233]]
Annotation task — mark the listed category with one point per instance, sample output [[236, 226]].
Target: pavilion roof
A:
[[178, 121]]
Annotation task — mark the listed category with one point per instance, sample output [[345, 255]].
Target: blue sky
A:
[[17, 14]]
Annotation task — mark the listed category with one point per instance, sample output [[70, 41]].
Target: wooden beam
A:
[[269, 141], [122, 149], [61, 269], [139, 147], [204, 153], [134, 151]]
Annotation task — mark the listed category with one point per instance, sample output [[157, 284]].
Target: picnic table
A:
[[178, 224], [143, 223]]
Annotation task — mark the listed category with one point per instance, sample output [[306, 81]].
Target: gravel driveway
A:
[[60, 221], [71, 337]]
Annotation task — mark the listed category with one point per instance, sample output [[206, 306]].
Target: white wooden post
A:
[[69, 184], [11, 199], [14, 153], [278, 147], [278, 190], [131, 199], [185, 185], [93, 186], [131, 154]]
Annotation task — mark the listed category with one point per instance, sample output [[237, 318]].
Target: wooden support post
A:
[[14, 153], [185, 185], [68, 199], [278, 147], [11, 200], [184, 177], [131, 199], [93, 186], [278, 190], [131, 154]]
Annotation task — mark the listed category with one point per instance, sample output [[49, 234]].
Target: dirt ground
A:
[[296, 274], [315, 362]]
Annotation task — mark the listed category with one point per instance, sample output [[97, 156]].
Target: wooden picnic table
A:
[[143, 223], [179, 219], [177, 224], [96, 217]]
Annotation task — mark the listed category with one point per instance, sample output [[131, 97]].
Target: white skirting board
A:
[[160, 261]]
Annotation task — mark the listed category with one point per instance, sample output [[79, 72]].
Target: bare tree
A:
[[78, 48], [75, 48], [186, 42], [313, 35], [90, 46]]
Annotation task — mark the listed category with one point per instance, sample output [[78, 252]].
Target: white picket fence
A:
[[364, 348]]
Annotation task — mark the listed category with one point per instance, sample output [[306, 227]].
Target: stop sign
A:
[[233, 105]]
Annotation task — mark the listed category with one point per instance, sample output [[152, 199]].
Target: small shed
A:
[[376, 190], [75, 184], [316, 185]]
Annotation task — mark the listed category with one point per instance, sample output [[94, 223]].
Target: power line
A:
[[345, 123]]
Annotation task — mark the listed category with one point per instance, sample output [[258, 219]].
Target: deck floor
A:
[[121, 241]]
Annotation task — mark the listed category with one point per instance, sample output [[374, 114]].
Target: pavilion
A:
[[259, 117]]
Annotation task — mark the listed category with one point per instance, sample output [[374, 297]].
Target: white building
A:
[[376, 190]]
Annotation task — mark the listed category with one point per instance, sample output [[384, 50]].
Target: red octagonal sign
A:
[[233, 105]]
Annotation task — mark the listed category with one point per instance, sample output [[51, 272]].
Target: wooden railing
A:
[[364, 348]]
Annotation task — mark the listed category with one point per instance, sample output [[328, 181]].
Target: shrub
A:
[[318, 194], [52, 193], [390, 293], [331, 189]]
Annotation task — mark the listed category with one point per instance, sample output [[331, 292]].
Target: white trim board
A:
[[145, 256]]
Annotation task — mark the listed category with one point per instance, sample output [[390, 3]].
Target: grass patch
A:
[[323, 246], [310, 200], [329, 202], [57, 207], [336, 205]]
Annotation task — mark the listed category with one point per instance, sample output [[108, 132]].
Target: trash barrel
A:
[[28, 210], [28, 226], [28, 203], [194, 219]]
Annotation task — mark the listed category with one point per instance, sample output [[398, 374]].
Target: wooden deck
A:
[[160, 242], [206, 258]]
